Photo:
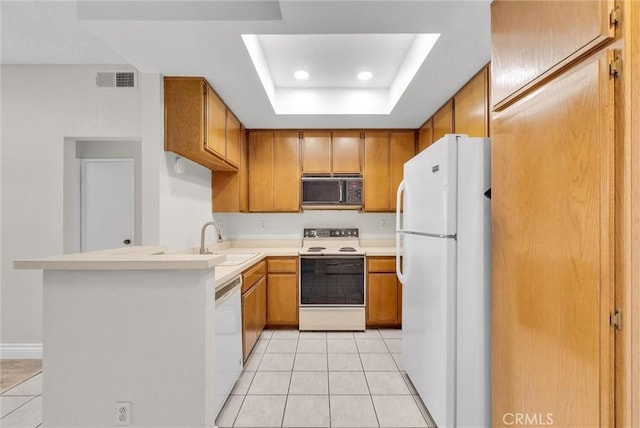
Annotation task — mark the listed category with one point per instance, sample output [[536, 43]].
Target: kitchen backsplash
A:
[[289, 226]]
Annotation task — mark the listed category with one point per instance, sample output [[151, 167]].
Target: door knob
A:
[[126, 241]]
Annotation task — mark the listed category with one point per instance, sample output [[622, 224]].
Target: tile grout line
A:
[[244, 397], [286, 398], [364, 373], [33, 397], [326, 340], [5, 393]]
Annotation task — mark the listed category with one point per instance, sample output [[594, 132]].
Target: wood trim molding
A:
[[627, 370]]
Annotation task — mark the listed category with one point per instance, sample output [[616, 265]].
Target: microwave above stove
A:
[[332, 192]]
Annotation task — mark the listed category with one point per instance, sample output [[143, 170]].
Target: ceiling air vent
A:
[[119, 79]]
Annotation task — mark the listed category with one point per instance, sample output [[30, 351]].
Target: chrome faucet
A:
[[203, 250]]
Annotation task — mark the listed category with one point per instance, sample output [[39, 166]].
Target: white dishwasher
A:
[[227, 341]]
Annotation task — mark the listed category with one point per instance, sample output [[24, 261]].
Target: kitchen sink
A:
[[234, 259]]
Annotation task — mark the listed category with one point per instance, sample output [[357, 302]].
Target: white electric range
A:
[[332, 280]]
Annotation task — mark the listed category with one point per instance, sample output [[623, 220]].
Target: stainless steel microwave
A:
[[332, 192]]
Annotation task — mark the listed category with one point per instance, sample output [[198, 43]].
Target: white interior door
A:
[[106, 203]]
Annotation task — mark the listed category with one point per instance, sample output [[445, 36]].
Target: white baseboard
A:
[[21, 351]]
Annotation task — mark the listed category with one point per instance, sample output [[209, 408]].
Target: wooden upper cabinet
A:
[[376, 171], [195, 123], [232, 138], [260, 171], [443, 121], [347, 152], [402, 148], [425, 135], [274, 171], [552, 208], [216, 124], [230, 189], [327, 152], [471, 112], [385, 153], [316, 152], [286, 171], [533, 39]]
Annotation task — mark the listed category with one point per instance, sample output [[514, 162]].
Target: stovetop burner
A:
[[341, 243]]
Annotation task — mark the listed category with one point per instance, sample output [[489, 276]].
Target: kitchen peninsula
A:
[[132, 325]]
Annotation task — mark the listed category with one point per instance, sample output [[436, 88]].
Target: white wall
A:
[[42, 107], [289, 226]]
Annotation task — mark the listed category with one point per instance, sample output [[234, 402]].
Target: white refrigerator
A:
[[444, 238]]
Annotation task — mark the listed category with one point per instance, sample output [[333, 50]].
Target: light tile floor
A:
[[21, 406], [293, 379], [334, 379]]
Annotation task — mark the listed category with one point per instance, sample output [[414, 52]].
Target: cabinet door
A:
[[402, 148], [529, 38], [376, 171], [230, 189], [425, 135], [261, 171], [184, 114], [216, 124], [346, 152], [471, 115], [382, 299], [316, 152], [286, 171], [443, 121], [232, 138], [552, 205], [282, 264], [261, 305], [243, 172], [282, 294], [249, 303]]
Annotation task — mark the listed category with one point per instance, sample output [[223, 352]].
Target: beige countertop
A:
[[157, 257], [139, 257]]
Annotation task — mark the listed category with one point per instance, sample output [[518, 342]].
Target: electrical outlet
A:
[[123, 413], [384, 223], [261, 224]]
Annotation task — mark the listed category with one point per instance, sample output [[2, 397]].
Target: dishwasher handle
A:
[[227, 289]]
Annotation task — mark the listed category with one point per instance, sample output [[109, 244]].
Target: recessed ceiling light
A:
[[301, 75], [365, 75]]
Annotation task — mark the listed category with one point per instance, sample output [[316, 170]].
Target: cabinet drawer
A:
[[283, 264], [381, 264], [253, 274]]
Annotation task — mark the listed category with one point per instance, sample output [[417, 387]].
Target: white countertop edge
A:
[[155, 258], [131, 258]]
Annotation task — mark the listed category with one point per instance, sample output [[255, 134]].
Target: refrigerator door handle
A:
[[399, 226], [401, 276]]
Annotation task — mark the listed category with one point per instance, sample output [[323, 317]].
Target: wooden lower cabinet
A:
[[384, 293], [282, 293], [254, 306]]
